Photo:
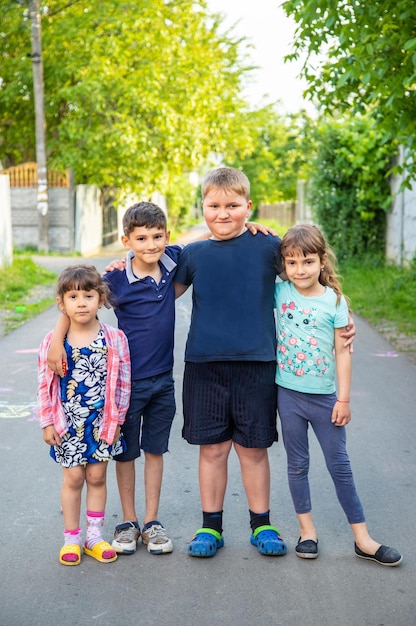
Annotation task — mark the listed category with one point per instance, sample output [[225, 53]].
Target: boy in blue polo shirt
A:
[[144, 303]]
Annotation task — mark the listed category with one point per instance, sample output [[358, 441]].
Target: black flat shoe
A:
[[307, 549], [384, 555]]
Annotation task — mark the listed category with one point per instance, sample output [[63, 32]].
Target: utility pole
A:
[[38, 89]]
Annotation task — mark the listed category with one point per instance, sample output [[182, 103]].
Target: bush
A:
[[349, 193]]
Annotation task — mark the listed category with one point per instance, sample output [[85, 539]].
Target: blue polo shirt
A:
[[145, 312]]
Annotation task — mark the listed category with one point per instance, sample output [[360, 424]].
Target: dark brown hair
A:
[[144, 214], [82, 278]]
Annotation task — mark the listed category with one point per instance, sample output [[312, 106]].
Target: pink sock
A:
[[71, 536], [95, 522]]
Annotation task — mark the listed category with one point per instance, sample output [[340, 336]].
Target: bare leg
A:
[[96, 474], [213, 474], [363, 539], [72, 484], [153, 474], [307, 527], [255, 473], [126, 480]]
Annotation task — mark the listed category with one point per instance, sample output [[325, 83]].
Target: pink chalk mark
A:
[[27, 351]]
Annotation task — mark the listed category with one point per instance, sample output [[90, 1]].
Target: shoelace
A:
[[124, 535], [156, 532]]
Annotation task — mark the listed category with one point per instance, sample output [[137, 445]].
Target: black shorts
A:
[[230, 400]]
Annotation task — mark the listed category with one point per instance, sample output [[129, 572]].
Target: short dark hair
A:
[[143, 214]]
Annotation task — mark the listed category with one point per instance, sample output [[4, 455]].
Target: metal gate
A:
[[110, 226]]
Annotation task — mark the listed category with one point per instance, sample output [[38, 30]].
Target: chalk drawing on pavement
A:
[[13, 411]]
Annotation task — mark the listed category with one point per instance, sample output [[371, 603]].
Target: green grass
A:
[[21, 292], [382, 293]]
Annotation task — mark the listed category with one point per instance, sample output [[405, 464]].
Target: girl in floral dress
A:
[[82, 412]]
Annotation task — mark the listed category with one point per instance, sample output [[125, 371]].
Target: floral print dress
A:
[[82, 394]]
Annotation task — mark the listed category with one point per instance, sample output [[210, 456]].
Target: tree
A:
[[132, 97], [361, 56], [42, 192], [276, 153], [349, 191]]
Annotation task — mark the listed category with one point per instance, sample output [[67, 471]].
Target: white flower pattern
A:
[[87, 373]]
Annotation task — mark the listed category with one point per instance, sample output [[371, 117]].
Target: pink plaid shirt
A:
[[117, 393]]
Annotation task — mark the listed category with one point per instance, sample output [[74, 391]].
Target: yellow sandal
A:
[[98, 551], [72, 550]]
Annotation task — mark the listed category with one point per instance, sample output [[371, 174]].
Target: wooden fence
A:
[[26, 175]]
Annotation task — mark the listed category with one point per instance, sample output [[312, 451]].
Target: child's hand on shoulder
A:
[[254, 228], [117, 264]]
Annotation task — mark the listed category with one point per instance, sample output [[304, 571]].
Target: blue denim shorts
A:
[[150, 416]]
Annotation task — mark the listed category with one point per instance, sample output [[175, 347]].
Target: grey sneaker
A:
[[157, 539], [126, 536]]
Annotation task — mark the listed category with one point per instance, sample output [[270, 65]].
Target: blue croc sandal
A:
[[268, 541], [205, 542]]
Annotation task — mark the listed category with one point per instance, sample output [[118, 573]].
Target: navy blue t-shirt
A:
[[233, 298], [145, 312]]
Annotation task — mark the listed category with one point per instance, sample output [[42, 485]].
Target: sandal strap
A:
[[209, 531], [266, 527]]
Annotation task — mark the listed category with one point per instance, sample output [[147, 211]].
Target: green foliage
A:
[[276, 154], [361, 56], [349, 192], [134, 95], [382, 292]]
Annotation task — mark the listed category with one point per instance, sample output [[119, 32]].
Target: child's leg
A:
[[126, 482], [332, 440], [213, 475], [295, 438], [153, 474], [363, 539], [255, 474], [72, 484], [307, 527], [73, 481], [94, 545]]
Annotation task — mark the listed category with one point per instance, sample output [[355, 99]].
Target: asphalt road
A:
[[238, 586]]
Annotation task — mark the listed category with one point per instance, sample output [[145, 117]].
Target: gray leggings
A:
[[297, 410]]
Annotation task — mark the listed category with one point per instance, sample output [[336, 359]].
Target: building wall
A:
[[6, 241], [401, 224], [25, 218], [88, 220]]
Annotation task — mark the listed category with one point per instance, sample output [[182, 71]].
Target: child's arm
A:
[[179, 289], [56, 352], [341, 413], [349, 333]]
